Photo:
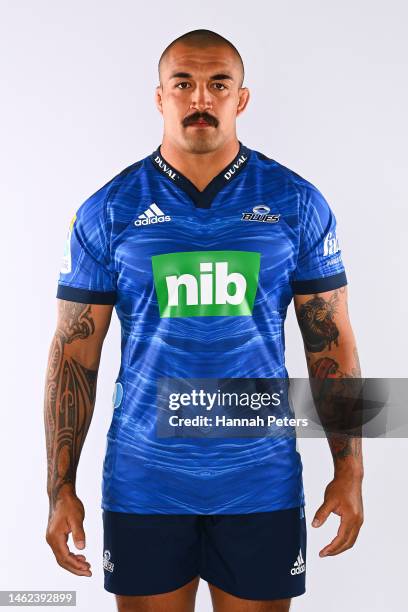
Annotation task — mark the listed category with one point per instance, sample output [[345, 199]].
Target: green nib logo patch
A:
[[206, 283]]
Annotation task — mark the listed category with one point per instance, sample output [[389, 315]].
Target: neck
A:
[[199, 168]]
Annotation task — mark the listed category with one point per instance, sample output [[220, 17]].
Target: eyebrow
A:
[[187, 75]]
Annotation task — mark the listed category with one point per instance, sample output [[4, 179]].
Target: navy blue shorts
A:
[[253, 556]]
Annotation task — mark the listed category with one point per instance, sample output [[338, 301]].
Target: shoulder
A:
[[292, 186], [277, 170], [95, 208]]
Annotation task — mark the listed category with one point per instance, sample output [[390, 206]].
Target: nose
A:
[[201, 98]]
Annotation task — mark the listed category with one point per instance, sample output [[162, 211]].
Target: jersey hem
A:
[[85, 296], [319, 285], [242, 509]]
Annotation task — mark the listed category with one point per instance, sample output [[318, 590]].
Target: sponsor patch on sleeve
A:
[[66, 258]]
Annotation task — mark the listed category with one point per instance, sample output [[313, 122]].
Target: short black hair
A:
[[203, 39]]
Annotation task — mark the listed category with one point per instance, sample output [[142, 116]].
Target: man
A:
[[201, 247]]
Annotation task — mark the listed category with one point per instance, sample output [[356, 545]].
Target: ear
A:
[[159, 98], [243, 99]]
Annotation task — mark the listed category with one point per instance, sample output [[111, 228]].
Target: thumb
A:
[[321, 514], [78, 534]]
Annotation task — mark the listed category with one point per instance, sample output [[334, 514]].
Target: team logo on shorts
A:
[[299, 565], [260, 213], [107, 564]]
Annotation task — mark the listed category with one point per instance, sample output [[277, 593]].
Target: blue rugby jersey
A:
[[201, 282]]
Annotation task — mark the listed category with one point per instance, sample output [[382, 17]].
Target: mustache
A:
[[196, 116]]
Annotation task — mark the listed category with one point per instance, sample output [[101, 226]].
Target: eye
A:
[[219, 86], [183, 85]]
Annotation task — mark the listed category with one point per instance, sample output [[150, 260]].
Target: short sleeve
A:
[[86, 273], [319, 265]]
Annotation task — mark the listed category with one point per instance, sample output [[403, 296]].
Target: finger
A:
[[78, 533], [73, 570], [348, 543], [81, 559], [82, 562], [344, 531], [71, 564], [322, 513], [65, 557]]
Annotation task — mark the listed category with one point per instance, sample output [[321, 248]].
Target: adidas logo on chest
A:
[[153, 214]]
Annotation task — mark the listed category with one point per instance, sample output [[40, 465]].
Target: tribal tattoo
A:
[[70, 391]]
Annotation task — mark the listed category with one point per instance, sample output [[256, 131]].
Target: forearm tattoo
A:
[[335, 393], [343, 446], [70, 391], [336, 397], [326, 367]]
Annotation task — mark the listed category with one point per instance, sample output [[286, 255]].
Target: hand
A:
[[342, 497], [67, 516]]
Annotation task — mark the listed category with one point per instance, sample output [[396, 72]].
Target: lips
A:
[[200, 122]]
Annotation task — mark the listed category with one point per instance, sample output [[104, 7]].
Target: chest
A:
[[215, 261]]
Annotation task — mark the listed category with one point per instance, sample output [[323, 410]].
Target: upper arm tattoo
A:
[[316, 321]]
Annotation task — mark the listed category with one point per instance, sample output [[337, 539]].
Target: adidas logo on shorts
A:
[[299, 565], [151, 215]]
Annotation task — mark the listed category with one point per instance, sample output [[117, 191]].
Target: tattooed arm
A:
[[332, 356], [70, 390], [331, 353]]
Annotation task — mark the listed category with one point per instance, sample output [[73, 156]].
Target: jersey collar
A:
[[202, 199]]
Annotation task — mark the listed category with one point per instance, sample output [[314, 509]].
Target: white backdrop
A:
[[329, 100]]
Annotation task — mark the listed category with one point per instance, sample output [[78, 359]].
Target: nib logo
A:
[[206, 283]]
